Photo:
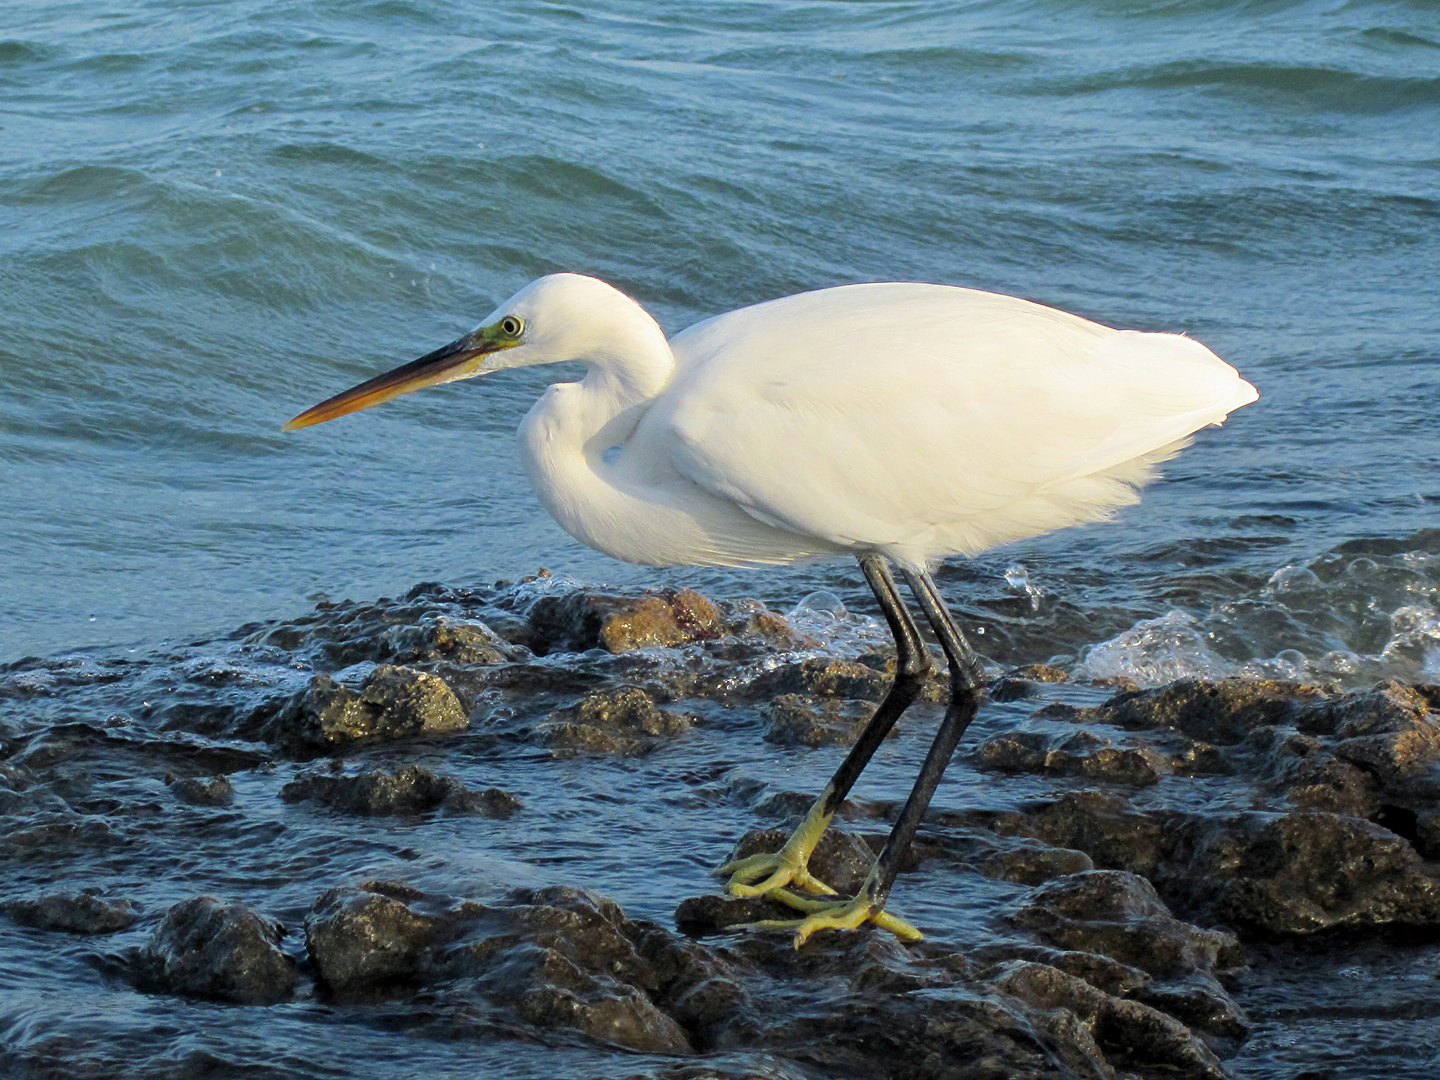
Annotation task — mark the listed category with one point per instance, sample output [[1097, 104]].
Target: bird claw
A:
[[837, 915], [777, 869]]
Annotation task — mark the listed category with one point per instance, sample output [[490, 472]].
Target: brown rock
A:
[[204, 948], [586, 620], [393, 703]]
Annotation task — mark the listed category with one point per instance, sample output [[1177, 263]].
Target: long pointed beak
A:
[[458, 360]]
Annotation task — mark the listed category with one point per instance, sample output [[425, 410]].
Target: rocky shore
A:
[[1114, 882]]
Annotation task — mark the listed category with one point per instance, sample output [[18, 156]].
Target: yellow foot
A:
[[777, 869], [764, 874], [838, 915]]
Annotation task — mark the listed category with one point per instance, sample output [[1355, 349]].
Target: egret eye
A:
[[512, 326]]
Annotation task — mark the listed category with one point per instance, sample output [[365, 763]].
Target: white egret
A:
[[898, 423]]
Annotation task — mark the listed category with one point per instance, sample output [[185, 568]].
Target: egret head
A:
[[555, 318]]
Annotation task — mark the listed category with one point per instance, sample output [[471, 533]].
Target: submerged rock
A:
[[75, 913], [393, 703], [624, 721], [204, 948], [796, 720], [217, 791], [821, 677], [408, 789]]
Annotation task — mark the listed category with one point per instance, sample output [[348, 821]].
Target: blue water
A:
[[214, 213]]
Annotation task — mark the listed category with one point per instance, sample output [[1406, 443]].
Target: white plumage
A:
[[899, 423], [912, 421], [915, 420]]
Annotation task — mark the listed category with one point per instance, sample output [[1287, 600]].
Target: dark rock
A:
[[1099, 971], [430, 624], [1077, 754], [408, 789], [793, 720], [455, 641], [359, 936], [217, 791], [841, 859], [1041, 673], [1131, 1032], [204, 948], [1319, 782], [75, 913], [1031, 862], [820, 677], [1119, 915], [569, 960], [752, 619], [625, 721], [1222, 713], [1309, 870], [393, 703], [1103, 825], [588, 620]]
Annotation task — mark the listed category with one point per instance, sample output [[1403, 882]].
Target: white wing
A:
[[927, 420]]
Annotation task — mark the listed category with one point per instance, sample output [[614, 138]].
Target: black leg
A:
[[771, 873], [966, 680], [912, 665]]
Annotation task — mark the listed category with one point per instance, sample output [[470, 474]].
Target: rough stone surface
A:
[[1120, 915], [393, 703], [75, 913], [1309, 870], [1134, 1033], [590, 620], [1075, 754], [795, 720], [217, 791], [204, 948], [624, 721], [408, 789], [358, 936], [820, 677]]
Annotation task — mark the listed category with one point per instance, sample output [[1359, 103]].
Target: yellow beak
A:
[[459, 360]]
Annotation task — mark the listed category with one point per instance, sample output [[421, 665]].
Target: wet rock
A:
[[1318, 781], [75, 913], [1307, 871], [393, 703], [584, 972], [752, 619], [590, 620], [1041, 673], [455, 641], [1099, 971], [1132, 1033], [1120, 915], [196, 791], [1031, 863], [1222, 713], [1102, 824], [359, 936], [408, 789], [841, 859], [430, 623], [821, 677], [204, 948], [1076, 754], [625, 721], [795, 720]]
